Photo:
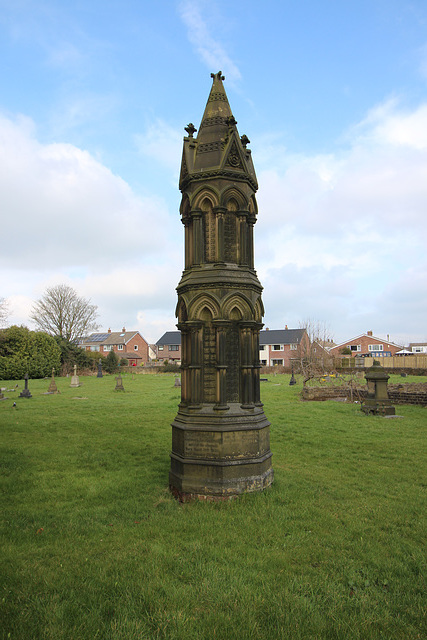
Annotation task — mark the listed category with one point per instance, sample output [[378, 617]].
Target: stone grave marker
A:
[[52, 387], [25, 393], [119, 383], [75, 382]]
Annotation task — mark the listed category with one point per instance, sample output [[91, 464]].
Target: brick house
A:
[[168, 347], [366, 345], [280, 346], [126, 344], [418, 347]]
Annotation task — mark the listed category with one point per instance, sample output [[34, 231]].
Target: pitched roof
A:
[[114, 337], [170, 337], [281, 336], [364, 335]]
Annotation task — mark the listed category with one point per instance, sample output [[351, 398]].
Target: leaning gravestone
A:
[[119, 383], [52, 387], [75, 382], [25, 393]]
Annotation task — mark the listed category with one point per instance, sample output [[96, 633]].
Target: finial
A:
[[190, 129], [218, 75], [244, 140]]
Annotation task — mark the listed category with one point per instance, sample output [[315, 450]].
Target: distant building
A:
[[280, 346], [366, 344], [126, 344], [418, 347], [168, 347]]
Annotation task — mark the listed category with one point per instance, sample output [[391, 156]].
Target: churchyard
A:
[[95, 546]]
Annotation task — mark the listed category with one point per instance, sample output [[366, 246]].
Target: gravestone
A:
[[177, 382], [119, 383], [75, 382], [292, 381], [377, 401], [52, 387], [220, 436], [25, 393], [99, 375]]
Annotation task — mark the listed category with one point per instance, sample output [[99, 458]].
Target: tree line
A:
[[60, 318]]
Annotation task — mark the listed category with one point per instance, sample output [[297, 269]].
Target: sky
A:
[[94, 98]]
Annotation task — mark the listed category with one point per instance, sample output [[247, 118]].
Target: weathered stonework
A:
[[220, 436]]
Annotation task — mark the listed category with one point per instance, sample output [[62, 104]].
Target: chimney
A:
[[109, 331], [124, 330], [369, 333], [267, 328], [286, 327]]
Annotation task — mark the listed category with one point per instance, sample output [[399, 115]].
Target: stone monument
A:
[[25, 393], [75, 382], [119, 383], [377, 400], [52, 387], [220, 436], [99, 374]]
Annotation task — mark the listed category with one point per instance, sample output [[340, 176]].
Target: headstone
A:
[[75, 382], [119, 383], [2, 396], [25, 393], [377, 401], [52, 387], [99, 375], [220, 436], [177, 382], [292, 381]]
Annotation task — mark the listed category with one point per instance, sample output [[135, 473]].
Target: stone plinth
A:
[[377, 400]]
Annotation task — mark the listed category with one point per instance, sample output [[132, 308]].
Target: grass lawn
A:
[[94, 546]]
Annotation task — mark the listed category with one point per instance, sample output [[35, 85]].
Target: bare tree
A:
[[61, 312], [4, 311], [313, 356]]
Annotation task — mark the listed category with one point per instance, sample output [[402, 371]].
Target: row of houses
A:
[[277, 346]]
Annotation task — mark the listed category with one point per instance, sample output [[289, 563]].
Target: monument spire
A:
[[220, 436]]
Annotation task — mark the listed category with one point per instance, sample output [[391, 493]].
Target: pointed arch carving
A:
[[200, 304], [237, 303], [258, 310], [181, 310], [234, 193], [202, 194]]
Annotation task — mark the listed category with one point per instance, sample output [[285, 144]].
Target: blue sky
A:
[[333, 96]]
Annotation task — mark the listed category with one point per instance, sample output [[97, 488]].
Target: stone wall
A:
[[398, 393]]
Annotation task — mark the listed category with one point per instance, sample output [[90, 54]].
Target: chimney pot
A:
[[369, 333], [123, 330]]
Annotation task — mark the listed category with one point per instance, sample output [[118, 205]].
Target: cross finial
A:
[[218, 75]]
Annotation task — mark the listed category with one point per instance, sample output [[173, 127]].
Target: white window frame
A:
[[119, 347], [135, 347], [375, 347], [358, 347]]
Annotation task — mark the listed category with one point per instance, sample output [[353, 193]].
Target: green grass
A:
[[94, 546]]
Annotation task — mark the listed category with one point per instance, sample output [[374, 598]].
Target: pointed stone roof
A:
[[218, 149]]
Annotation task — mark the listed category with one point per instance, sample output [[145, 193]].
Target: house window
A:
[[277, 361], [294, 347], [174, 347], [120, 347], [375, 347], [417, 349], [107, 347], [277, 347], [262, 347], [263, 361], [135, 347], [355, 347], [94, 348], [160, 347]]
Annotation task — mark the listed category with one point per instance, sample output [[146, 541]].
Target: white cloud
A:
[[61, 207], [342, 235], [163, 143], [211, 51]]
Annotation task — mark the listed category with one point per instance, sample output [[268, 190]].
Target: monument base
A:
[[219, 453], [380, 408]]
